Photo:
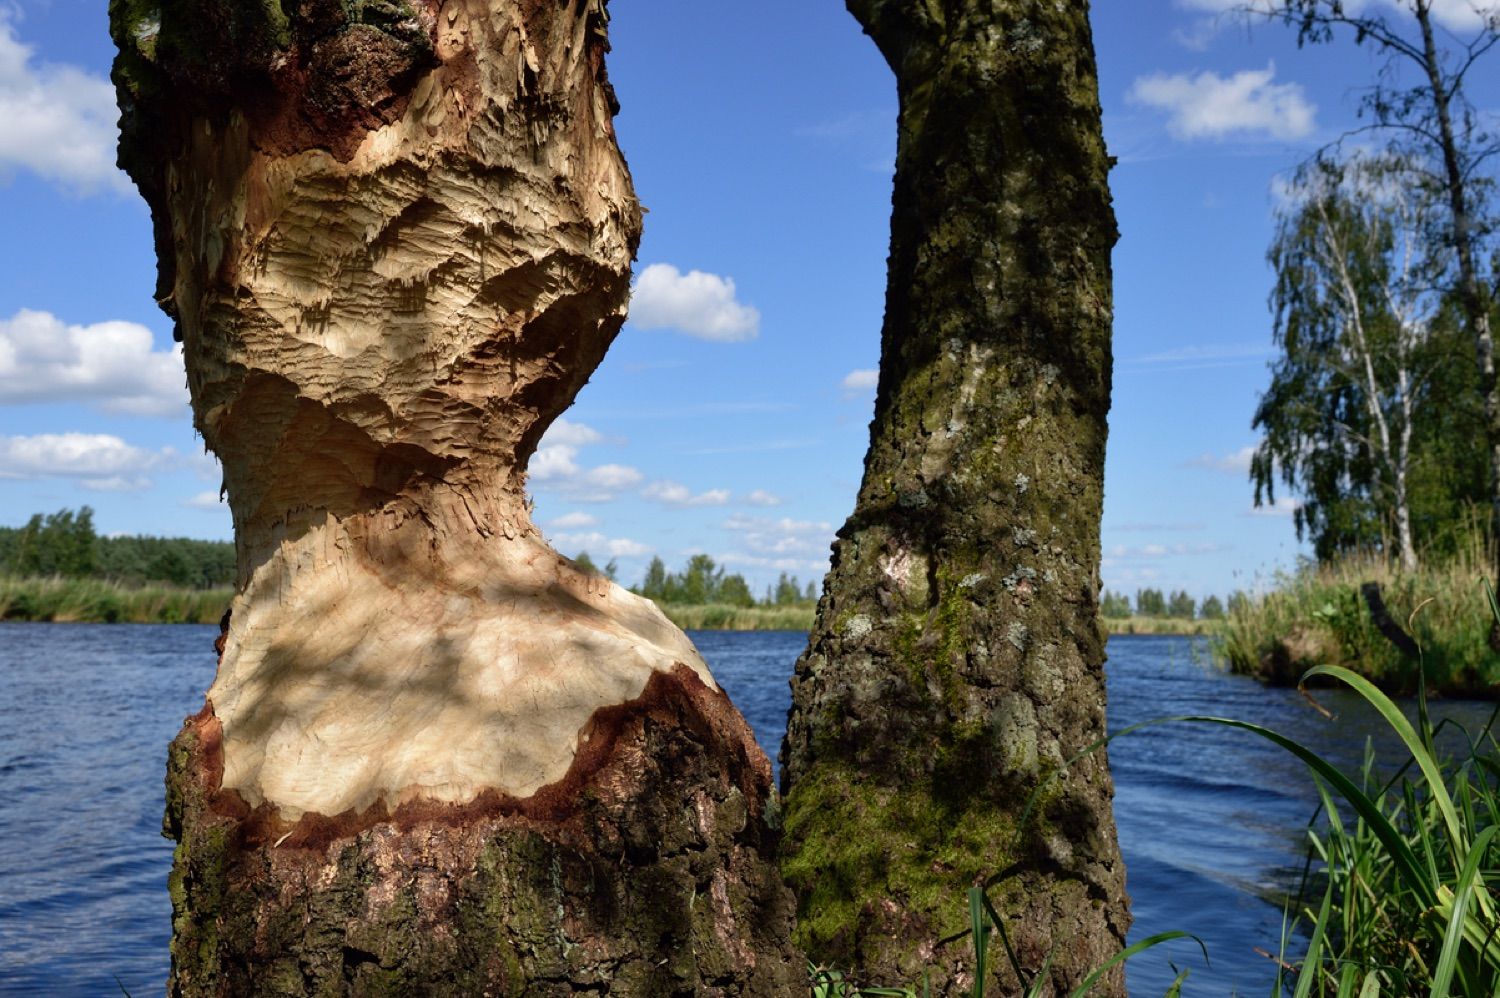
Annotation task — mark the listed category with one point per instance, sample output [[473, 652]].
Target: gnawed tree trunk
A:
[[956, 659], [437, 758]]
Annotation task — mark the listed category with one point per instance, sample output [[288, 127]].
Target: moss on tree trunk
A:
[[956, 661]]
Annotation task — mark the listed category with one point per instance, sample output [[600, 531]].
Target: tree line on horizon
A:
[[1178, 605], [66, 545], [703, 582]]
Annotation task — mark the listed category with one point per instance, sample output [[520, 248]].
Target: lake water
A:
[[1210, 820]]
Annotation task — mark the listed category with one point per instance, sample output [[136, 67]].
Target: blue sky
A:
[[731, 415]]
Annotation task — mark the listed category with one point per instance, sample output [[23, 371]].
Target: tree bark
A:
[[1472, 294], [956, 661], [437, 757]]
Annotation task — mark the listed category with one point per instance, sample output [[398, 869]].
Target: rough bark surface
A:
[[956, 662], [396, 236]]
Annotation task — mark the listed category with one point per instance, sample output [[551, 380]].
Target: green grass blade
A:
[[979, 926], [1431, 771], [1311, 963], [1442, 976], [1093, 979], [1401, 853]]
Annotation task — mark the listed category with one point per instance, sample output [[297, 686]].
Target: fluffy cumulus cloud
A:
[[696, 303], [671, 493], [1245, 105], [760, 497], [859, 382], [111, 365], [555, 466], [59, 120], [95, 461]]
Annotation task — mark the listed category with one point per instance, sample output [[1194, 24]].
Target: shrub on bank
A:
[[1317, 616]]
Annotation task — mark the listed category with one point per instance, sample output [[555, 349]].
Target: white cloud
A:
[[775, 564], [696, 303], [1237, 463], [676, 494], [614, 547], [60, 122], [784, 537], [860, 381], [1153, 552], [566, 433], [760, 497], [574, 521], [97, 461], [205, 500], [1210, 106], [612, 477], [1282, 508], [555, 466], [552, 463], [111, 365]]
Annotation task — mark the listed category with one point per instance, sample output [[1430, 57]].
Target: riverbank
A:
[[1195, 627], [99, 602], [1318, 616]]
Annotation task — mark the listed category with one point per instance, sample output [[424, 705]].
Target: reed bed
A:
[[724, 617], [97, 601], [1196, 627], [1316, 616]]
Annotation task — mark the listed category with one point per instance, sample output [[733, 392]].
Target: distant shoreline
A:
[[94, 601]]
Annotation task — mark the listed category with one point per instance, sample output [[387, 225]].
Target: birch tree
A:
[[1359, 265], [1420, 105]]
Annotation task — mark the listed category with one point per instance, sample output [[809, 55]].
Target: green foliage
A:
[[1182, 606], [704, 585], [1212, 609], [64, 544], [1398, 867], [1374, 399], [1114, 605], [1150, 603], [1316, 616], [585, 563]]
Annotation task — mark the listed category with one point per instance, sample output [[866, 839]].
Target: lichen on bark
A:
[[956, 662]]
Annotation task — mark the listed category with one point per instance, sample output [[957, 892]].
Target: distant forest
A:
[[65, 545]]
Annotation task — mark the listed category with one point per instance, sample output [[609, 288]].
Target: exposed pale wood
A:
[[437, 757]]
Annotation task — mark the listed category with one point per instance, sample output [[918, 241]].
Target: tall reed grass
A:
[[1316, 616], [723, 617], [1162, 625], [93, 600]]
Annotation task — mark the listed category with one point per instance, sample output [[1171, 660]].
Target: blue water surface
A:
[[1210, 820]]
